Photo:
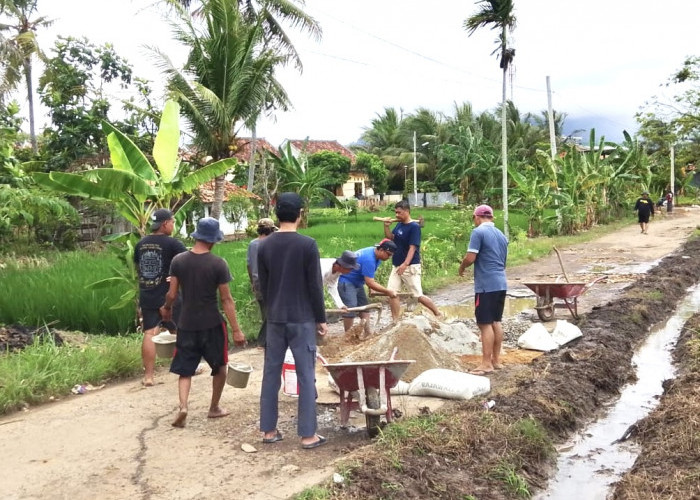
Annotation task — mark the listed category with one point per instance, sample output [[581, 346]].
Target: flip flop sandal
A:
[[277, 437], [315, 444]]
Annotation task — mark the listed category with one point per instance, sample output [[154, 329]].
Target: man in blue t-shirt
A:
[[407, 268], [488, 251], [351, 286]]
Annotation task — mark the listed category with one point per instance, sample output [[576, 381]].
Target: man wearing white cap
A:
[[488, 251]]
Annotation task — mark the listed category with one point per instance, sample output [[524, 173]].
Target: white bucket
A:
[[165, 345], [238, 374], [290, 386]]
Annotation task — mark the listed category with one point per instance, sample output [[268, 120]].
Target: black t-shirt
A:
[[644, 206], [199, 275], [289, 272], [152, 256]]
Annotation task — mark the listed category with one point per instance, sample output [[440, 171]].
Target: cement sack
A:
[[400, 389], [537, 338], [449, 384], [565, 332]]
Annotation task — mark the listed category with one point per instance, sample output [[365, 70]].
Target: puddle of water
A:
[[641, 268], [591, 464], [513, 307]]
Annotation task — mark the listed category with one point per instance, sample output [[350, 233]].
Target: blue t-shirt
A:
[[368, 267], [406, 235], [491, 247]]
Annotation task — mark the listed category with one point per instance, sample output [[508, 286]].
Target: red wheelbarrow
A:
[[364, 386], [567, 292]]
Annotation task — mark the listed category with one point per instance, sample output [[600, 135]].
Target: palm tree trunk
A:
[[251, 162], [30, 99], [218, 202]]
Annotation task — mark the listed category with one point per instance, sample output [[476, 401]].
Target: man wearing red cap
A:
[[488, 251]]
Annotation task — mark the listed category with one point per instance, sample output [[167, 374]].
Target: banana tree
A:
[[533, 191], [137, 188]]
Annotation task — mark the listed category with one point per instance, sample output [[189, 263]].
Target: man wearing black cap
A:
[[200, 275], [289, 271], [352, 285], [644, 208], [152, 256]]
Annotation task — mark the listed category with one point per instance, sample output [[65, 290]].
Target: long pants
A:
[[301, 339], [263, 327]]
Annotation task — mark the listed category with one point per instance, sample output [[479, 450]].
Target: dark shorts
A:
[[488, 307], [352, 296], [193, 345], [150, 318], [643, 218]]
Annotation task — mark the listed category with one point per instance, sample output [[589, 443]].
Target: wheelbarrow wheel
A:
[[546, 313], [372, 421]]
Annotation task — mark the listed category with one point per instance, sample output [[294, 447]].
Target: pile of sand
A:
[[413, 343]]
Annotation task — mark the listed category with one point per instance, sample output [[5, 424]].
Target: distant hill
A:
[[605, 125]]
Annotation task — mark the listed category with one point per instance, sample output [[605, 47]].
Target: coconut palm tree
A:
[[18, 49], [498, 14], [227, 78], [272, 15]]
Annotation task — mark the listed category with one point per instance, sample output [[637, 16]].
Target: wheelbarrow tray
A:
[[345, 374], [558, 290], [568, 293], [365, 386]]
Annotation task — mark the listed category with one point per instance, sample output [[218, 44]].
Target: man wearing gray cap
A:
[[201, 275], [152, 256]]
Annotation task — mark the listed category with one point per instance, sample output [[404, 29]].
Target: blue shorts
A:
[[352, 296], [193, 345], [488, 307]]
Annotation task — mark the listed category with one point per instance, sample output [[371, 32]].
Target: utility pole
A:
[[550, 113], [415, 172]]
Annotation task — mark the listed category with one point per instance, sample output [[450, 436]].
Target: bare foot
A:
[[180, 419], [147, 382], [497, 366], [217, 412]]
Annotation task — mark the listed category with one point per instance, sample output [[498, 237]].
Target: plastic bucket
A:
[[165, 345], [290, 386], [238, 374]]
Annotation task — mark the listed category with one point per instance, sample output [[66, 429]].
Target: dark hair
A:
[[265, 230], [287, 213], [403, 205]]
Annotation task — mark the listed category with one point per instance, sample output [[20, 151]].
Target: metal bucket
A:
[[238, 374], [165, 345]]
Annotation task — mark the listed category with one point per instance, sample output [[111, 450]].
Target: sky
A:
[[605, 58]]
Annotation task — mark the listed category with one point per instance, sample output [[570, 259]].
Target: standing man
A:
[[152, 256], [202, 333], [406, 260], [289, 270], [488, 251], [645, 208], [333, 269], [265, 228], [669, 201], [352, 285]]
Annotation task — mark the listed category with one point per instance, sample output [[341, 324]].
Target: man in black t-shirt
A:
[[289, 272], [152, 256], [644, 208], [200, 275]]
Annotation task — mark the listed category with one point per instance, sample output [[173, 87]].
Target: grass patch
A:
[[45, 370], [460, 453]]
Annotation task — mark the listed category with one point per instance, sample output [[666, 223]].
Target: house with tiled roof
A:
[[356, 186]]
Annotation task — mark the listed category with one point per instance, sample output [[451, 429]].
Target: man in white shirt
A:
[[332, 269]]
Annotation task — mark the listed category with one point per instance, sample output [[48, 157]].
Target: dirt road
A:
[[118, 443]]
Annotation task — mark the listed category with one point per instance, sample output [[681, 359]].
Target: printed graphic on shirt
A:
[[150, 266]]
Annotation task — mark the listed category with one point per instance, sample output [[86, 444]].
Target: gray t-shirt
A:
[[491, 247]]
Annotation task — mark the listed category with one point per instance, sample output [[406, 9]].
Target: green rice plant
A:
[[44, 370]]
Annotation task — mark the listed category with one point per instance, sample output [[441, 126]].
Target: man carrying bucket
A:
[[199, 274], [289, 270], [152, 257]]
